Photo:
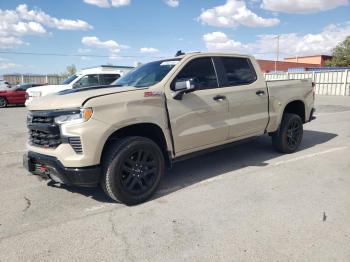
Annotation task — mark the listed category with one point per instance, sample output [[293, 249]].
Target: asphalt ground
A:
[[245, 203]]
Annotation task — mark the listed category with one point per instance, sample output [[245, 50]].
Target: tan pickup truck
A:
[[123, 136]]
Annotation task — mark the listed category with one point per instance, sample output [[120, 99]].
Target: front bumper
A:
[[312, 115], [50, 167]]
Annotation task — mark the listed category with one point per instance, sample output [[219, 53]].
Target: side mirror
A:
[[76, 85], [181, 87]]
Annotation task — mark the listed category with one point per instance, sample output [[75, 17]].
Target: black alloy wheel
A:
[[289, 135], [293, 133], [139, 171], [3, 102], [132, 169]]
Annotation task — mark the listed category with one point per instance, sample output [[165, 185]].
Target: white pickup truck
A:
[[96, 76]]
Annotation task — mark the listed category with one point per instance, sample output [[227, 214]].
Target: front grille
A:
[[44, 139], [75, 142], [43, 131], [43, 119]]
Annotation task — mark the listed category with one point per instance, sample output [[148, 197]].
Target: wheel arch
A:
[[296, 107], [6, 100], [149, 130]]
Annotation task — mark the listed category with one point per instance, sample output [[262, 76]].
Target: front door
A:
[[199, 119]]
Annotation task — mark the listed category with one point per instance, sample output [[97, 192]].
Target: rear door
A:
[[247, 94], [107, 79], [199, 118]]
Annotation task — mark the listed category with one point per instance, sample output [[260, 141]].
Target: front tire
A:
[[288, 137], [132, 170], [3, 102]]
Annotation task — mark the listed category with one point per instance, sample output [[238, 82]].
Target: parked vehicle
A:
[[16, 95], [96, 76], [25, 86], [123, 136], [4, 85]]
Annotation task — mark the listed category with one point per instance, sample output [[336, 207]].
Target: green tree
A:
[[71, 69], [341, 54]]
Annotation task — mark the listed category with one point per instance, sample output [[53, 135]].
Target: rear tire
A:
[[3, 102], [289, 135], [132, 170]]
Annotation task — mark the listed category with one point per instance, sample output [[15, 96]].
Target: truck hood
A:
[[74, 98], [47, 89]]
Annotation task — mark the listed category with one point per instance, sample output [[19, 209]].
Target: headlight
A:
[[75, 117]]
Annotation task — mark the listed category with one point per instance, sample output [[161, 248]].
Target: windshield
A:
[[69, 79], [148, 74]]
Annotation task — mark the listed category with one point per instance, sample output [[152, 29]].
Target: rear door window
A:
[[108, 79], [88, 80], [238, 71]]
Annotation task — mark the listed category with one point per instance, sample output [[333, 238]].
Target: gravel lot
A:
[[246, 203]]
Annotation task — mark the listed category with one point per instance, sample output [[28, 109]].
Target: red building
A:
[[269, 66], [294, 62], [312, 59]]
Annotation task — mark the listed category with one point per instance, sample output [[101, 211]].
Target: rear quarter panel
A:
[[283, 92]]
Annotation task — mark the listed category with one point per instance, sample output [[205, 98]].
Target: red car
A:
[[17, 96]]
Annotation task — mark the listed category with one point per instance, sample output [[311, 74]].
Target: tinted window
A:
[[239, 71], [69, 80], [88, 80], [108, 79], [148, 74], [202, 71]]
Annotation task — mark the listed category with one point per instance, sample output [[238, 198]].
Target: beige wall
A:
[[309, 60], [317, 60]]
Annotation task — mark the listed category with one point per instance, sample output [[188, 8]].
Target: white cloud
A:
[[172, 3], [291, 44], [118, 3], [233, 14], [308, 44], [14, 24], [302, 6], [99, 3], [148, 50], [107, 3], [111, 45], [7, 42], [41, 17], [10, 24], [6, 64], [219, 41]]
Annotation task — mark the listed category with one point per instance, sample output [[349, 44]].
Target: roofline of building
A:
[[288, 62], [295, 57]]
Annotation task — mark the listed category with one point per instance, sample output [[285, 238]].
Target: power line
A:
[[77, 55]]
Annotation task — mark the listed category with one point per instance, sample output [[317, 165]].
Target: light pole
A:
[[277, 51]]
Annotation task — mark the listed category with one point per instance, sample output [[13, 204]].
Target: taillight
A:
[[26, 96], [313, 89]]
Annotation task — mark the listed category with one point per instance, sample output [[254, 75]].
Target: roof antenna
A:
[[178, 53]]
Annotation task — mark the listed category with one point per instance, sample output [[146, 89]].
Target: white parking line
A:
[[331, 113], [95, 208], [216, 178], [310, 155]]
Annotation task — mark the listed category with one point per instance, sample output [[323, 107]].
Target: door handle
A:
[[260, 93], [219, 97]]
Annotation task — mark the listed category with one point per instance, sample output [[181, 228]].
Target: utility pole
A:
[[277, 51]]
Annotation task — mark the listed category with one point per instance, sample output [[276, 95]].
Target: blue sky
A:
[[129, 31]]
